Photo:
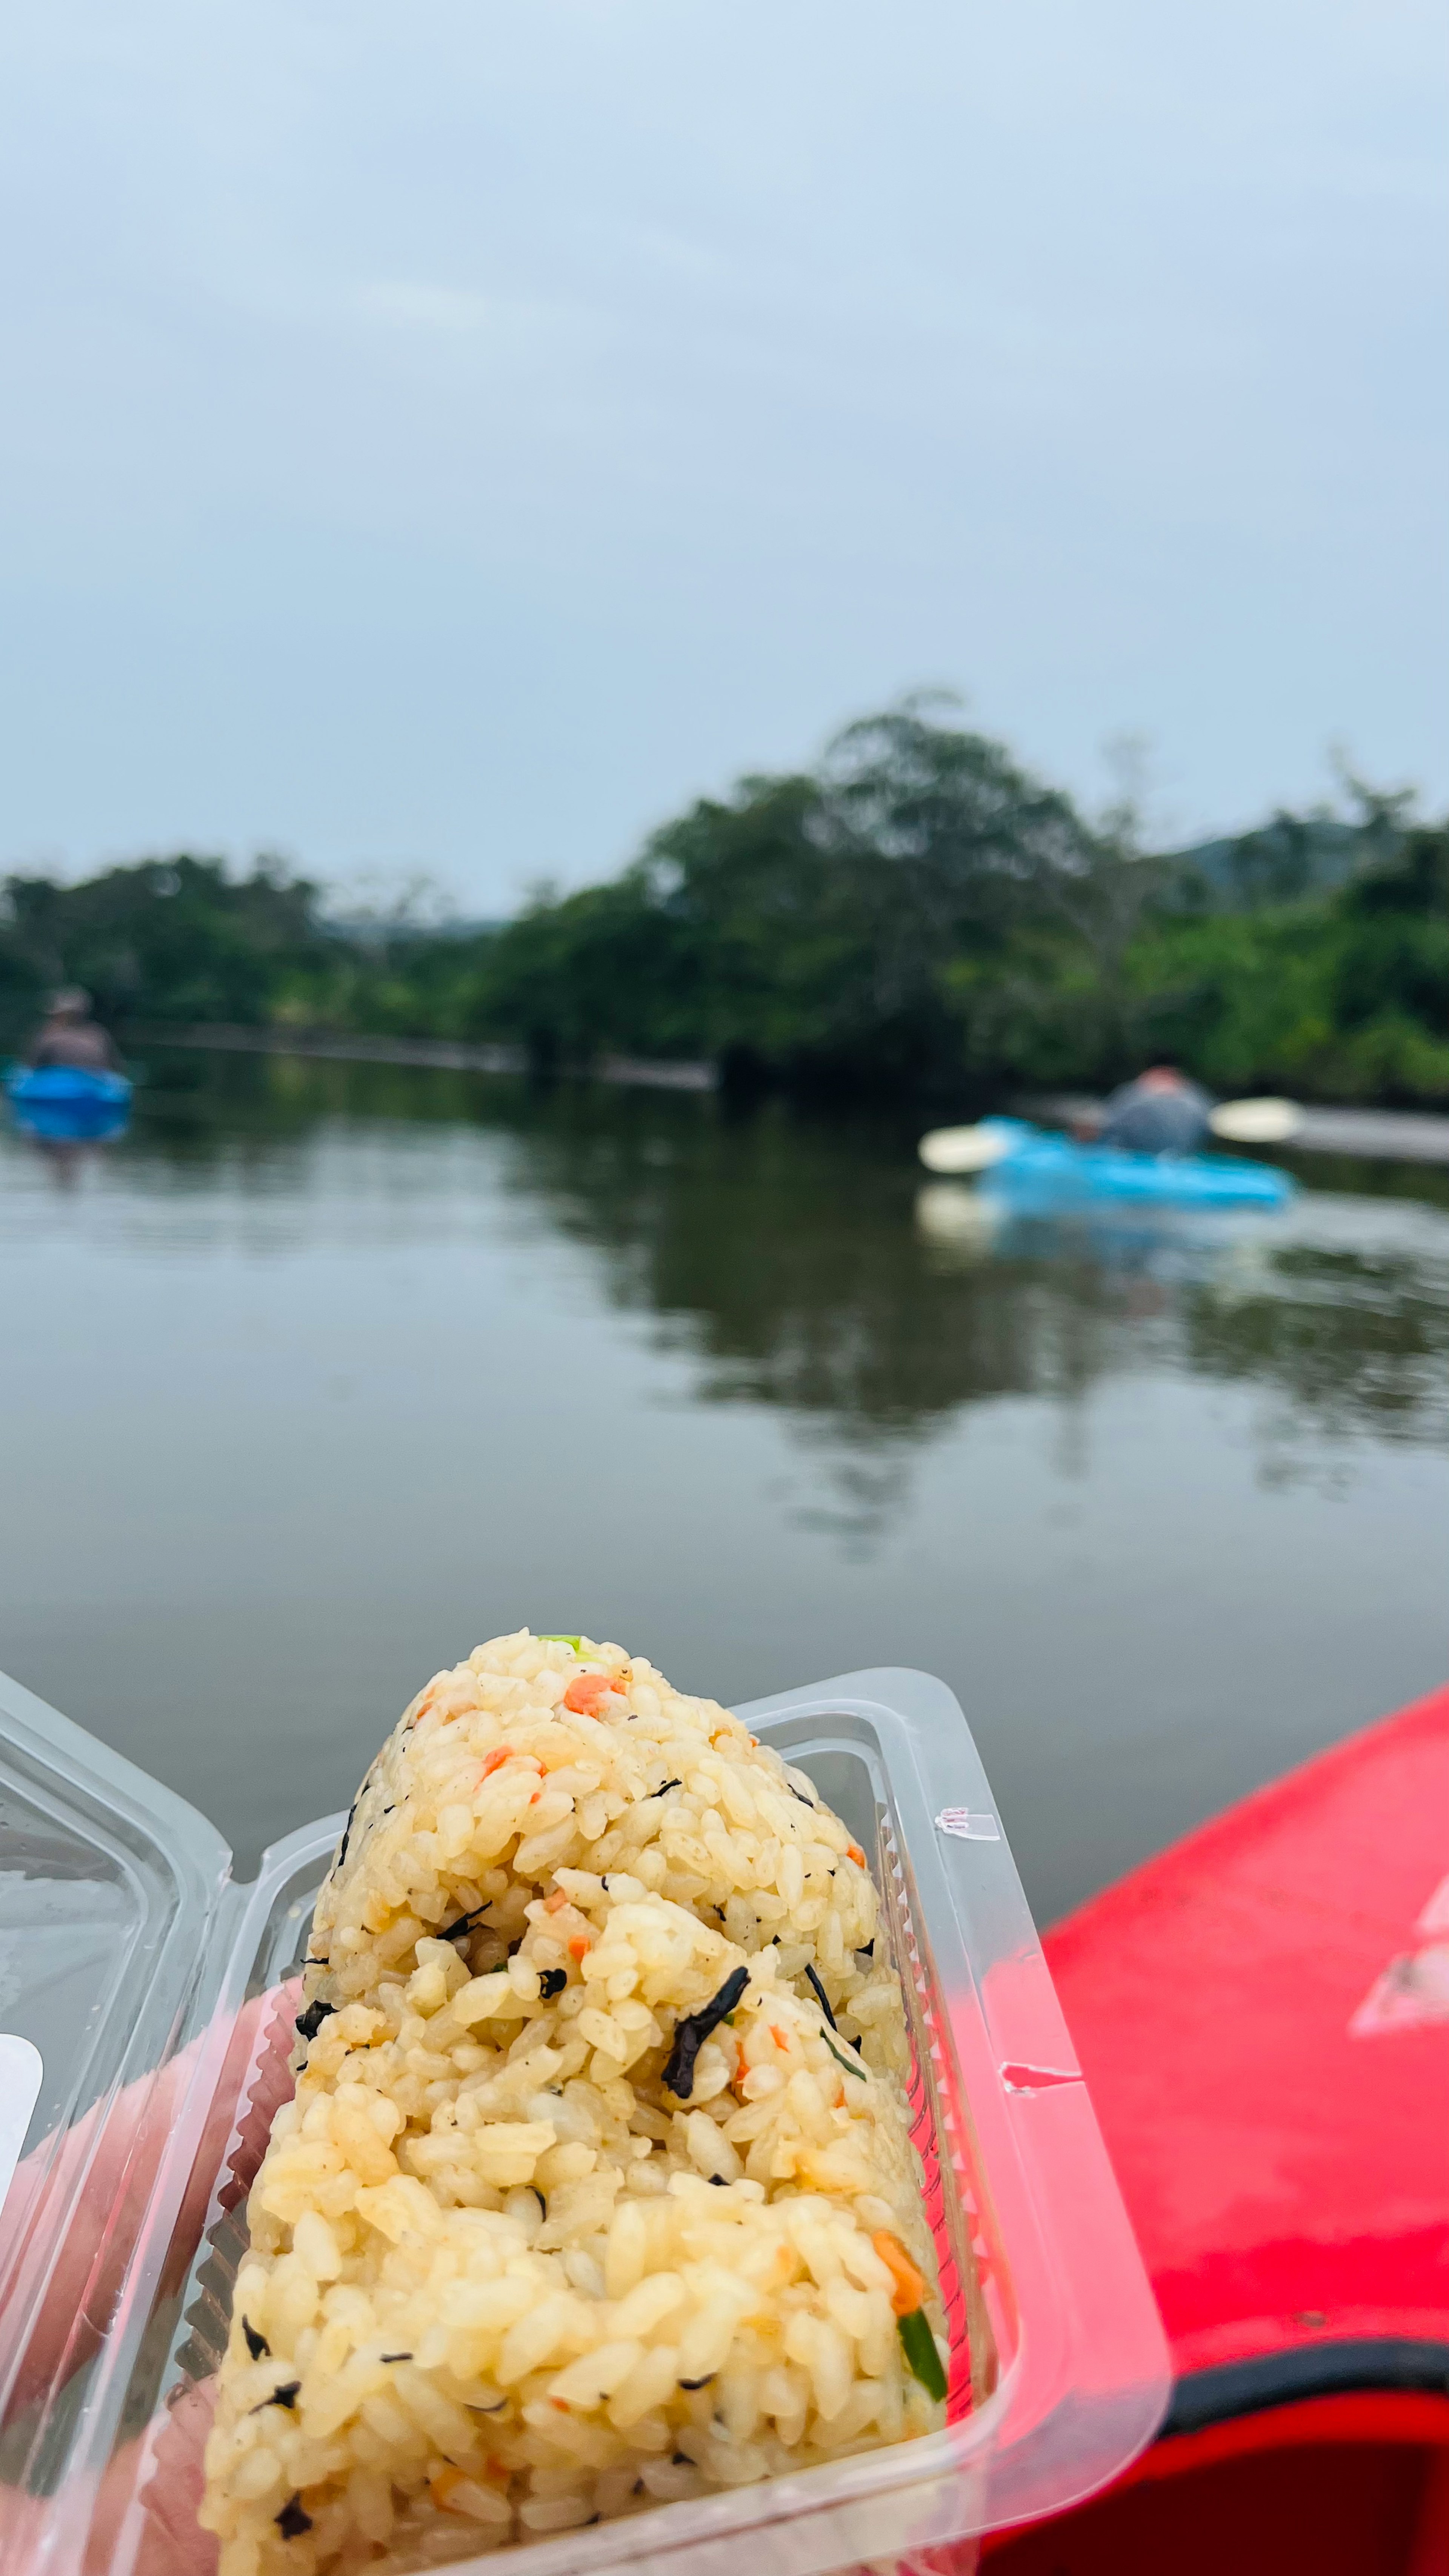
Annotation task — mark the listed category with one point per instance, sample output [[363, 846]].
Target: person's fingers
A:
[[98, 2177], [172, 2542], [23, 2520]]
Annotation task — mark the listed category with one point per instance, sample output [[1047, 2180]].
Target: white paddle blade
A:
[[961, 1149], [1256, 1122]]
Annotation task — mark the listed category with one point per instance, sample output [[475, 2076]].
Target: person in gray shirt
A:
[[1160, 1113], [69, 1036]]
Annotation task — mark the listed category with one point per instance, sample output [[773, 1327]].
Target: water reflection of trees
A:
[[785, 1258], [1349, 1343], [782, 1255]]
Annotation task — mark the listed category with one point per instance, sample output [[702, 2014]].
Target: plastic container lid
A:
[[143, 2048]]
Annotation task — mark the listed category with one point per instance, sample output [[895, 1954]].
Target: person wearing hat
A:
[[69, 1036]]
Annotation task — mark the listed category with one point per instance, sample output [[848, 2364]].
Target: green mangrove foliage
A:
[[918, 914]]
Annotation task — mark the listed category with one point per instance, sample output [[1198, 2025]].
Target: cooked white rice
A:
[[502, 2279]]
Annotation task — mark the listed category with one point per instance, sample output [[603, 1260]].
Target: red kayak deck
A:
[[1262, 2017]]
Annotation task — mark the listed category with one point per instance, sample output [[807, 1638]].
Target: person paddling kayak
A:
[[1143, 1145], [1160, 1113], [68, 1037]]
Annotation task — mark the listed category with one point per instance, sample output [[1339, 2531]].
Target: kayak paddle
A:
[[963, 1149], [1238, 1122], [1256, 1122]]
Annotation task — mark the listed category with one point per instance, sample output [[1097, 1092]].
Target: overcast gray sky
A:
[[448, 435]]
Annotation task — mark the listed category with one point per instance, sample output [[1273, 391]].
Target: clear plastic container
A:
[[149, 1984]]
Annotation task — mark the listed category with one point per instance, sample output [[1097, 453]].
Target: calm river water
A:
[[325, 1372]]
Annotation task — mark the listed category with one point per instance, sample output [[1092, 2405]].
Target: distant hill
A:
[[1291, 856], [383, 930]]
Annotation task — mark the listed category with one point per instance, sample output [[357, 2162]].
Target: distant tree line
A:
[[916, 915]]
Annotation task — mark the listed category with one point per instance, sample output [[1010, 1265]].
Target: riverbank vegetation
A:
[[916, 915]]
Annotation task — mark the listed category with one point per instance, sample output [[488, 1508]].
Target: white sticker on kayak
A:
[[1412, 1992], [20, 2073], [1435, 1917]]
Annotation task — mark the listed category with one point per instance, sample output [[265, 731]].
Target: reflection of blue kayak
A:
[[64, 1103], [1029, 1163]]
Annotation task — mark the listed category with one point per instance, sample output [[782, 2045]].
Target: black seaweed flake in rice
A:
[[551, 1982], [800, 1794], [291, 2522], [821, 1996], [824, 2002], [691, 2034], [341, 1857], [256, 2344], [465, 1924], [285, 2395], [663, 1786], [308, 2023], [394, 2356]]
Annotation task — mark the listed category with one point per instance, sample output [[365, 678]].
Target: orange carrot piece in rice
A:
[[585, 1688], [910, 2289]]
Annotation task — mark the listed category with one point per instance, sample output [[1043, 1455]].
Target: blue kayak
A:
[[65, 1104], [1036, 1164], [65, 1085]]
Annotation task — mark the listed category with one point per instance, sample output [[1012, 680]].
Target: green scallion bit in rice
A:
[[597, 2190]]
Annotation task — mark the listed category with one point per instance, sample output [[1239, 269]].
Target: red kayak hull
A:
[[1262, 2016], [1340, 2486]]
